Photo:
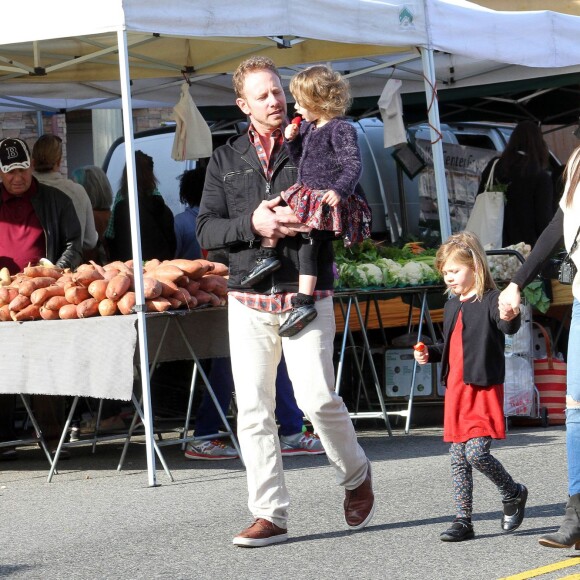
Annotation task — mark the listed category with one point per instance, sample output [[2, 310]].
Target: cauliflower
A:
[[430, 275], [391, 271], [412, 273], [372, 273]]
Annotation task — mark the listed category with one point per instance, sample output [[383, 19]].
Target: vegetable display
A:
[[372, 264], [45, 292]]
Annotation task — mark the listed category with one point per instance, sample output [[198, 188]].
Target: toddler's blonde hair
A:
[[321, 90]]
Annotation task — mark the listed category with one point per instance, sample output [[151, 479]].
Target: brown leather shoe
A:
[[359, 504], [261, 533]]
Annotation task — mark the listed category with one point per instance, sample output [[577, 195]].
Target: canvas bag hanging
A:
[[486, 218], [550, 379], [192, 134]]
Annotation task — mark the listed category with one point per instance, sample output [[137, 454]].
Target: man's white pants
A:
[[256, 349]]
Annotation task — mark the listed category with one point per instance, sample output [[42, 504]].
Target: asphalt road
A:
[[93, 522]]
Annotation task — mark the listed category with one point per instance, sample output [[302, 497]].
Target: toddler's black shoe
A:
[[460, 530], [300, 316], [514, 510], [264, 267]]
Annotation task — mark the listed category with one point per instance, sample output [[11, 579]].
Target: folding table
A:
[[349, 298], [95, 357]]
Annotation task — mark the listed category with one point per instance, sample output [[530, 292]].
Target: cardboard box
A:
[[399, 372]]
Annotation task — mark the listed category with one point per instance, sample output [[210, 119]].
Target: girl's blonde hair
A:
[[465, 248], [322, 91]]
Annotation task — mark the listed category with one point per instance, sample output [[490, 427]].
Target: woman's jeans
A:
[[573, 402]]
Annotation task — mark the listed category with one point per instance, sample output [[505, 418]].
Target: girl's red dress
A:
[[470, 410]]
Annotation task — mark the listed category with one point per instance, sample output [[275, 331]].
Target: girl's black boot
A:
[[569, 533]]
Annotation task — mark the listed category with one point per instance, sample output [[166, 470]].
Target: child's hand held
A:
[[421, 353]]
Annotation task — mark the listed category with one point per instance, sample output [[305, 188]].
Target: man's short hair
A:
[[14, 154], [252, 64]]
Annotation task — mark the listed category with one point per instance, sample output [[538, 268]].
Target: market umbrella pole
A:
[[136, 250], [436, 142]]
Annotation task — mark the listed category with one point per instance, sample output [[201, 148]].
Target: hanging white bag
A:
[[486, 217]]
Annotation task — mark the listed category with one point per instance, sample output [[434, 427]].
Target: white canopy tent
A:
[[117, 41]]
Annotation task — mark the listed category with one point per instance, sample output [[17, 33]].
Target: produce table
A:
[[95, 357]]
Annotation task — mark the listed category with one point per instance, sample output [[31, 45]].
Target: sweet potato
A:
[[88, 308], [65, 279], [151, 287], [7, 294], [43, 271], [41, 295], [117, 265], [193, 286], [98, 268], [107, 307], [166, 272], [175, 302], [27, 287], [98, 289], [19, 302], [126, 303], [76, 294], [213, 283], [31, 312], [55, 303], [118, 286], [111, 273], [47, 314], [85, 277], [151, 265], [204, 297], [84, 268], [68, 312], [158, 304], [5, 313], [168, 289], [185, 297], [193, 268]]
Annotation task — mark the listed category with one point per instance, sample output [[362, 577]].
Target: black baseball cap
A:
[[14, 154]]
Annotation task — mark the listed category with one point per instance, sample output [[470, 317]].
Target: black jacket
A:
[[62, 229], [483, 339], [235, 185]]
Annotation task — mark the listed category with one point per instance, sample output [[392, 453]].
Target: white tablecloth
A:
[[94, 357]]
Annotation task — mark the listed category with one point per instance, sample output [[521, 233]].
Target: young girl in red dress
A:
[[473, 370]]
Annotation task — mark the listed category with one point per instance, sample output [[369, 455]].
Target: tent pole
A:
[[436, 141], [136, 247]]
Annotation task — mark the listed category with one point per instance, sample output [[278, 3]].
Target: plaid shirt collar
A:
[[267, 158]]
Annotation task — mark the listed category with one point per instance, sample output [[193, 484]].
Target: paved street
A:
[[93, 522]]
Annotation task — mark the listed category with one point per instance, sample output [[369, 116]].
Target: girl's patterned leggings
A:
[[475, 454]]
